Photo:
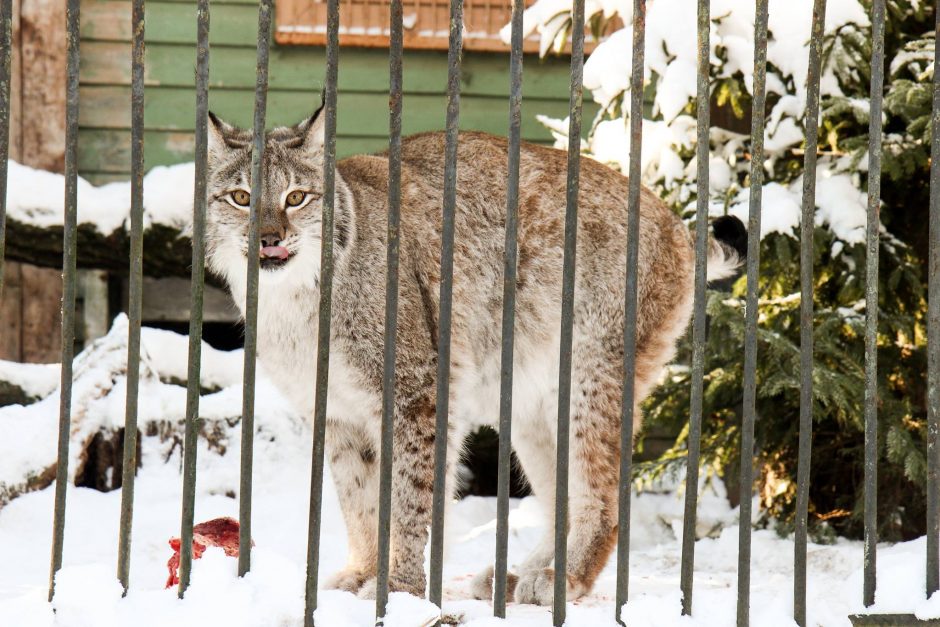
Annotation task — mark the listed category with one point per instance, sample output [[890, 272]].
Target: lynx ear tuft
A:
[[222, 135], [312, 130]]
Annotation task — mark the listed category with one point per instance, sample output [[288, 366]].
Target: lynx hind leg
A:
[[593, 478], [353, 458], [534, 444], [594, 470]]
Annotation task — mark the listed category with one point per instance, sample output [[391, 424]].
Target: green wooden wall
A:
[[296, 78]]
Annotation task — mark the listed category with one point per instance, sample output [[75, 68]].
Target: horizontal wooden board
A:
[[359, 115], [108, 151], [215, 3], [169, 22], [366, 23], [172, 22], [104, 155], [105, 62]]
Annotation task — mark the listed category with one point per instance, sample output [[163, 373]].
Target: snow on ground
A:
[[272, 594]]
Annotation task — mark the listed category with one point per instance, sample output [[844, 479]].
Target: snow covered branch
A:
[[35, 215]]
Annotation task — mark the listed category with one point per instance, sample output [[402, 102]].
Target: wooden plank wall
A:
[[296, 78]]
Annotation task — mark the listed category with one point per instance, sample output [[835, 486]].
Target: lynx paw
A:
[[482, 585], [348, 580], [536, 586], [413, 586]]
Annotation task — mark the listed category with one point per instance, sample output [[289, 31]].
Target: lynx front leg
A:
[[412, 495], [353, 458]]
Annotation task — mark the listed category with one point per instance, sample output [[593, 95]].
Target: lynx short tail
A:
[[727, 247]]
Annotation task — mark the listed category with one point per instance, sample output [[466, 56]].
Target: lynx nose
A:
[[271, 238]]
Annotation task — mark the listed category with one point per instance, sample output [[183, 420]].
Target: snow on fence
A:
[[510, 257]]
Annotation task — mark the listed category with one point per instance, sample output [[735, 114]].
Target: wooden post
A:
[[42, 48], [16, 89], [31, 301], [11, 313]]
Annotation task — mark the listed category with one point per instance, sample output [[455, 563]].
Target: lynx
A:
[[290, 219]]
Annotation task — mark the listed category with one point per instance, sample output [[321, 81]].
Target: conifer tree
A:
[[839, 251]]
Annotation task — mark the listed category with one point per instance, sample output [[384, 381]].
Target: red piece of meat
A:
[[221, 532]]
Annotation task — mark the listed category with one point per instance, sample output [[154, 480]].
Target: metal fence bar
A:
[[567, 314], [871, 300], [391, 305], [807, 226], [454, 49], [933, 337], [135, 294], [750, 318], [72, 19], [703, 109], [628, 399], [892, 620], [510, 256], [6, 49], [265, 8], [325, 309], [197, 284]]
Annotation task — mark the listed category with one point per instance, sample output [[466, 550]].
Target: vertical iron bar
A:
[[750, 314], [6, 49], [197, 283], [510, 255], [129, 464], [702, 105], [325, 309], [72, 21], [627, 399], [567, 314], [933, 339], [455, 44], [807, 225], [251, 297], [871, 299], [391, 305]]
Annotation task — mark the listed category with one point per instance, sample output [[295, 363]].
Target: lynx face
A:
[[289, 210]]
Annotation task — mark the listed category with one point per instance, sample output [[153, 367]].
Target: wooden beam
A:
[[168, 300], [166, 252], [16, 89], [30, 307], [11, 313], [42, 323], [43, 47]]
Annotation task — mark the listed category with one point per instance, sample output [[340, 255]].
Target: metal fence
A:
[[510, 257]]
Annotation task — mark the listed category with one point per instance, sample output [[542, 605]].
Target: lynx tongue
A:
[[274, 252]]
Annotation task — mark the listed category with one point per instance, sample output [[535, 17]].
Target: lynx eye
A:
[[296, 198], [241, 197]]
